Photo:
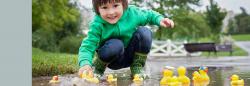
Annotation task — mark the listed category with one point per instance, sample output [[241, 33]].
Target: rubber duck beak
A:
[[206, 70], [55, 77]]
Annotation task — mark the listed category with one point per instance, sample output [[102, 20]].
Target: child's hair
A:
[[97, 3]]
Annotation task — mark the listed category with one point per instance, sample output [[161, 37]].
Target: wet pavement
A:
[[244, 45], [220, 69]]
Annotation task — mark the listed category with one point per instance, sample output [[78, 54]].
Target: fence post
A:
[[169, 47]]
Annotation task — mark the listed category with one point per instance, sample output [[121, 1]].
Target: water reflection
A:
[[219, 76]]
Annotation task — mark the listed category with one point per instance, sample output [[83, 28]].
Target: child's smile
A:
[[111, 12]]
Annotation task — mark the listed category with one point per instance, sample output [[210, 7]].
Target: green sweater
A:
[[100, 31]]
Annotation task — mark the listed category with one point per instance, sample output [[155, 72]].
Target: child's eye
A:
[[104, 7], [116, 5]]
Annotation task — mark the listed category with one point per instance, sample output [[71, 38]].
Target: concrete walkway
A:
[[157, 64], [244, 45]]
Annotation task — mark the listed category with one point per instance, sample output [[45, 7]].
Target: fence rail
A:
[[169, 48]]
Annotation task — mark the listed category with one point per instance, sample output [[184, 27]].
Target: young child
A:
[[118, 37]]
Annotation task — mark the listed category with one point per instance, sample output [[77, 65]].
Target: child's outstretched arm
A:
[[88, 48], [166, 22], [152, 17]]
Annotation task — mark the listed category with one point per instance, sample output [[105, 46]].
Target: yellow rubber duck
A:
[[204, 77], [235, 81], [83, 75], [111, 79], [196, 79], [174, 82], [167, 75], [89, 77], [137, 79], [54, 80], [182, 76]]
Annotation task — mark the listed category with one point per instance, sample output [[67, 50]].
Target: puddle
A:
[[219, 76]]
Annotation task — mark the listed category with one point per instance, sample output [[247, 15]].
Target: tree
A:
[[231, 27], [53, 20], [188, 24], [242, 22], [215, 16]]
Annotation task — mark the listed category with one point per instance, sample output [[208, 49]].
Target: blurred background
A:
[[58, 27]]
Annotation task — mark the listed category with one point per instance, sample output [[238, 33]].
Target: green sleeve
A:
[[148, 16], [89, 46]]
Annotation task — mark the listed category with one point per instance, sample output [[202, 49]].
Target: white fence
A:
[[169, 48]]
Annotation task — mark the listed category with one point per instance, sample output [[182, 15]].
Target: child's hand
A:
[[86, 68], [166, 22]]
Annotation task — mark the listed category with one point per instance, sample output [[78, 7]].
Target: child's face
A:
[[111, 12]]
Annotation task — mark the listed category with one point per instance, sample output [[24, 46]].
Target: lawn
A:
[[236, 52], [241, 37], [48, 64]]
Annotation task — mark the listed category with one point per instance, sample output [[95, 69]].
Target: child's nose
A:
[[111, 11]]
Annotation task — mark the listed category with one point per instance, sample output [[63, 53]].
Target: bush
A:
[[45, 40], [70, 44]]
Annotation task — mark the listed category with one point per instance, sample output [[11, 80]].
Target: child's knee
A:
[[144, 36], [110, 50]]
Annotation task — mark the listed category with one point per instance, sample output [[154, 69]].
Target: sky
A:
[[229, 5]]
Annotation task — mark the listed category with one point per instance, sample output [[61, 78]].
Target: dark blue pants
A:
[[117, 57]]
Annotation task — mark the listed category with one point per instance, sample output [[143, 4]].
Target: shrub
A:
[[70, 44]]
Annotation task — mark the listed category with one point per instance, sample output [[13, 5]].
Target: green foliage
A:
[[44, 39], [70, 44], [242, 21], [231, 27], [48, 64], [241, 37], [188, 24], [168, 4], [243, 25], [52, 21], [214, 17]]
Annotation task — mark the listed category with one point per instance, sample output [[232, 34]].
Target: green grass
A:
[[48, 64], [205, 40], [236, 52], [241, 37]]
